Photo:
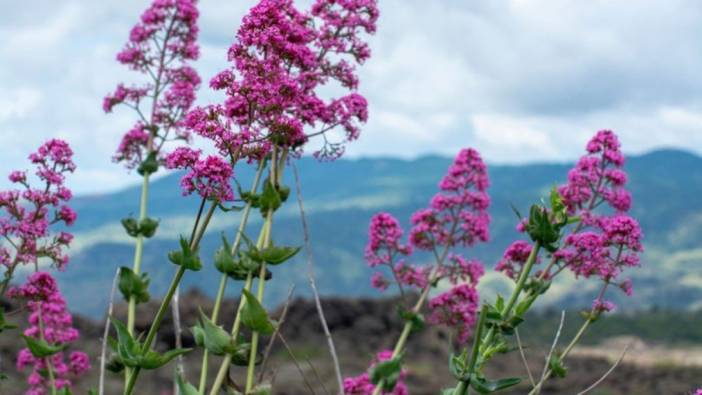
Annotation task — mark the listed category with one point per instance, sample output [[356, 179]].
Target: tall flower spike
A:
[[458, 214], [49, 320], [280, 59], [160, 46], [30, 211]]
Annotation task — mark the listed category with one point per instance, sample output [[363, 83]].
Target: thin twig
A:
[[296, 362], [316, 375], [175, 310], [524, 359], [281, 321], [553, 348], [106, 334], [598, 382], [313, 284]]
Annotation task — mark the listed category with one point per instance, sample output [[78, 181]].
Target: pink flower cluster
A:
[[209, 176], [604, 244], [51, 321], [458, 214], [598, 177], [361, 385], [514, 258], [605, 240], [280, 59], [29, 212], [160, 45], [457, 218]]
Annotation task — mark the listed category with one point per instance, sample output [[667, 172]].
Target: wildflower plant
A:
[[584, 228], [280, 60], [30, 241]]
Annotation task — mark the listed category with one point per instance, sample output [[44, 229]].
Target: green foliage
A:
[[184, 387], [485, 386], [557, 367], [4, 325], [215, 339], [254, 316], [416, 319], [387, 372], [133, 285], [146, 227], [40, 348], [186, 257], [149, 165], [133, 354]]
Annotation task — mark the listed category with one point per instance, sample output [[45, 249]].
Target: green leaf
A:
[[128, 349], [557, 367], [254, 316], [186, 257], [416, 319], [388, 372], [149, 165], [147, 227], [214, 338], [457, 366], [131, 226], [153, 360], [270, 198], [66, 390], [184, 387], [284, 192], [133, 285], [276, 255], [500, 303], [40, 348], [485, 386], [3, 324], [223, 260]]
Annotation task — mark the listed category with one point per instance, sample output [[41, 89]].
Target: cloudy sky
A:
[[521, 80]]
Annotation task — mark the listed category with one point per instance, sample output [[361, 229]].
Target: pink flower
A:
[[458, 215], [210, 176], [456, 308], [160, 46], [48, 311], [602, 306], [28, 213], [361, 385], [384, 243], [514, 258], [280, 60]]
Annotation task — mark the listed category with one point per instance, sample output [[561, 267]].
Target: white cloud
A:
[[519, 80]]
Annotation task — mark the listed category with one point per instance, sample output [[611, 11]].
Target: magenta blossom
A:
[[458, 214], [361, 385], [31, 211], [210, 177], [280, 60], [160, 46], [50, 320]]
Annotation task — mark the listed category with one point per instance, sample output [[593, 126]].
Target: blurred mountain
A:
[[340, 197]]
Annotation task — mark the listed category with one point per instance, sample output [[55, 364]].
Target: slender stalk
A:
[[151, 335], [462, 387], [236, 326], [313, 285], [223, 278], [138, 251]]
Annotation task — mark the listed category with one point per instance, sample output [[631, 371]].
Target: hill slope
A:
[[340, 198]]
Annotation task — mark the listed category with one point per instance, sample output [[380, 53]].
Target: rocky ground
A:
[[363, 326]]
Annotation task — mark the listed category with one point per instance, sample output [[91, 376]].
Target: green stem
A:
[[524, 275], [136, 266], [226, 362], [223, 278], [156, 324]]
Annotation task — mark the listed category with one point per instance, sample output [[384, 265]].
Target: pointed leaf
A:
[[254, 316], [184, 387], [40, 348], [277, 255]]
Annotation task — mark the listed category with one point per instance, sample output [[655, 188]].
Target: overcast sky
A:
[[519, 80]]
